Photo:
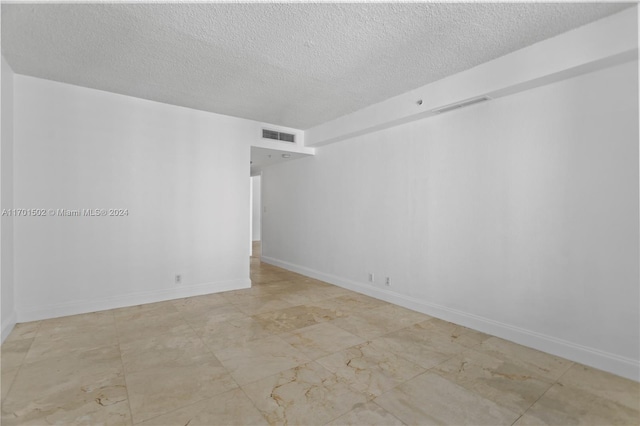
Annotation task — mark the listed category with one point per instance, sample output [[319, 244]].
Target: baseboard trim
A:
[[596, 358], [27, 314], [7, 325]]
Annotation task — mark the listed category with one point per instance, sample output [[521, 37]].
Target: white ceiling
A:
[[295, 64]]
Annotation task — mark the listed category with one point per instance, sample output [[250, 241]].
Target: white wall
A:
[[255, 207], [181, 173], [6, 183], [518, 217]]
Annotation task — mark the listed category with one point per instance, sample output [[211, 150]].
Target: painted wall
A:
[[180, 173], [517, 217], [255, 207], [6, 183]]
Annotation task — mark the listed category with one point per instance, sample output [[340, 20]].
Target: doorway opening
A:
[[256, 216]]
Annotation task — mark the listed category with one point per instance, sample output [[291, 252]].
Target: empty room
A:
[[320, 213]]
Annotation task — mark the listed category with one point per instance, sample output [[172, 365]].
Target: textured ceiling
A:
[[294, 64]]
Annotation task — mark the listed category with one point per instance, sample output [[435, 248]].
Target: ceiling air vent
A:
[[278, 136], [462, 104]]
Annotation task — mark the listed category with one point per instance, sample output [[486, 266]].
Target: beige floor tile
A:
[[355, 302], [171, 350], [237, 296], [256, 359], [147, 326], [293, 281], [586, 396], [368, 414], [228, 408], [333, 290], [309, 292], [303, 296], [286, 320], [160, 390], [267, 276], [14, 353], [397, 315], [259, 305], [305, 395], [369, 369], [80, 388], [461, 335], [362, 327], [204, 317], [427, 349], [539, 363], [54, 341], [565, 405], [502, 382], [228, 333], [604, 385], [91, 318], [338, 309], [432, 400], [8, 374], [71, 326], [378, 321], [321, 339], [281, 289], [25, 330], [322, 289], [131, 313], [215, 299], [470, 338]]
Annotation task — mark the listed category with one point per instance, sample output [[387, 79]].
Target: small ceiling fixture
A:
[[286, 155]]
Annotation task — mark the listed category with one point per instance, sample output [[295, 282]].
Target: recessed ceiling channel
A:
[[461, 104]]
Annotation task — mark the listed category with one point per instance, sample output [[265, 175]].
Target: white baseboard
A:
[[36, 313], [8, 324], [596, 358]]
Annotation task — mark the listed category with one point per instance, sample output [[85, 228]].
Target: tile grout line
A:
[[169, 412], [124, 373], [555, 382], [223, 366], [253, 403], [372, 400], [127, 388], [428, 370], [21, 363], [387, 411]]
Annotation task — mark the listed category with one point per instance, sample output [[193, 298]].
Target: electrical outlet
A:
[[178, 279], [372, 277], [387, 282]]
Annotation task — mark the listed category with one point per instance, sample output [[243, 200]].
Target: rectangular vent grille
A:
[[278, 136], [461, 104]]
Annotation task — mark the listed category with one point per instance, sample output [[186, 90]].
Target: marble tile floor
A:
[[292, 351]]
